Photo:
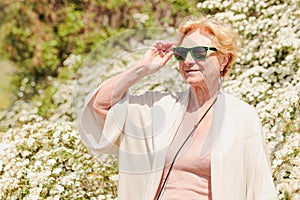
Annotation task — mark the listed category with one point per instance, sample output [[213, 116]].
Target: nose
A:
[[190, 61]]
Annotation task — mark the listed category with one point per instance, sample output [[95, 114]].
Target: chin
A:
[[195, 81]]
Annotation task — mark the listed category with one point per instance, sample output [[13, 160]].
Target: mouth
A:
[[192, 70]]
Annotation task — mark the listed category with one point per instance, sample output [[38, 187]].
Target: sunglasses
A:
[[198, 52]]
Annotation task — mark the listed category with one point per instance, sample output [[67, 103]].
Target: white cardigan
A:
[[139, 129]]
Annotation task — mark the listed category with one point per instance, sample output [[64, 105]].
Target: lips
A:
[[192, 70]]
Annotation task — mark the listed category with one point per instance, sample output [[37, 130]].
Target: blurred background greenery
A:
[[38, 35]]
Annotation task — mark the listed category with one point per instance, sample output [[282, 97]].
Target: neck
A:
[[200, 97]]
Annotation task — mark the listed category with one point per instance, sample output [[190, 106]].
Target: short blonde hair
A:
[[223, 37]]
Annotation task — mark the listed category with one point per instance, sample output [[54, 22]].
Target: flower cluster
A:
[[14, 116], [140, 18], [46, 160]]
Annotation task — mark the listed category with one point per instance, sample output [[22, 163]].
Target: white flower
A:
[[1, 165], [56, 171], [114, 177], [56, 197], [51, 162], [100, 197], [37, 164], [59, 188], [34, 193], [56, 140], [65, 137], [141, 17]]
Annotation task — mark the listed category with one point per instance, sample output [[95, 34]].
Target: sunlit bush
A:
[[46, 160]]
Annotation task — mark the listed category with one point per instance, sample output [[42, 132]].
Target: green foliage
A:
[[39, 34]]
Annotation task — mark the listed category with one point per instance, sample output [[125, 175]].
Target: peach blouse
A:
[[190, 176]]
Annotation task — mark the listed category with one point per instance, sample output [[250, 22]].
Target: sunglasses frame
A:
[[191, 51]]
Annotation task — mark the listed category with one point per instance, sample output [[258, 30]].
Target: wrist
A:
[[142, 69]]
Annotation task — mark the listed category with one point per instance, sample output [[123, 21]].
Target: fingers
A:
[[163, 48], [157, 56]]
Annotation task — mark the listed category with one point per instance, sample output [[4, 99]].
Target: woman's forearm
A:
[[114, 88]]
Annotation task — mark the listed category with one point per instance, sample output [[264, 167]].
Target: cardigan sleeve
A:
[[92, 129], [259, 184], [132, 111]]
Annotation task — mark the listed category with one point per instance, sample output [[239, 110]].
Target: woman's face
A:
[[204, 74]]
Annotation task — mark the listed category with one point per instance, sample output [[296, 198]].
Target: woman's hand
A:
[[157, 56], [114, 88]]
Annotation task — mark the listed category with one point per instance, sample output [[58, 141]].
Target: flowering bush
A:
[[45, 159]]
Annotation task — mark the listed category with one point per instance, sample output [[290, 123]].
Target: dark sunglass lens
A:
[[180, 53], [199, 53]]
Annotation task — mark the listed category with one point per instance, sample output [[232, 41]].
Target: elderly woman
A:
[[197, 144]]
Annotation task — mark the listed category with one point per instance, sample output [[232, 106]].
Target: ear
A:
[[224, 61]]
